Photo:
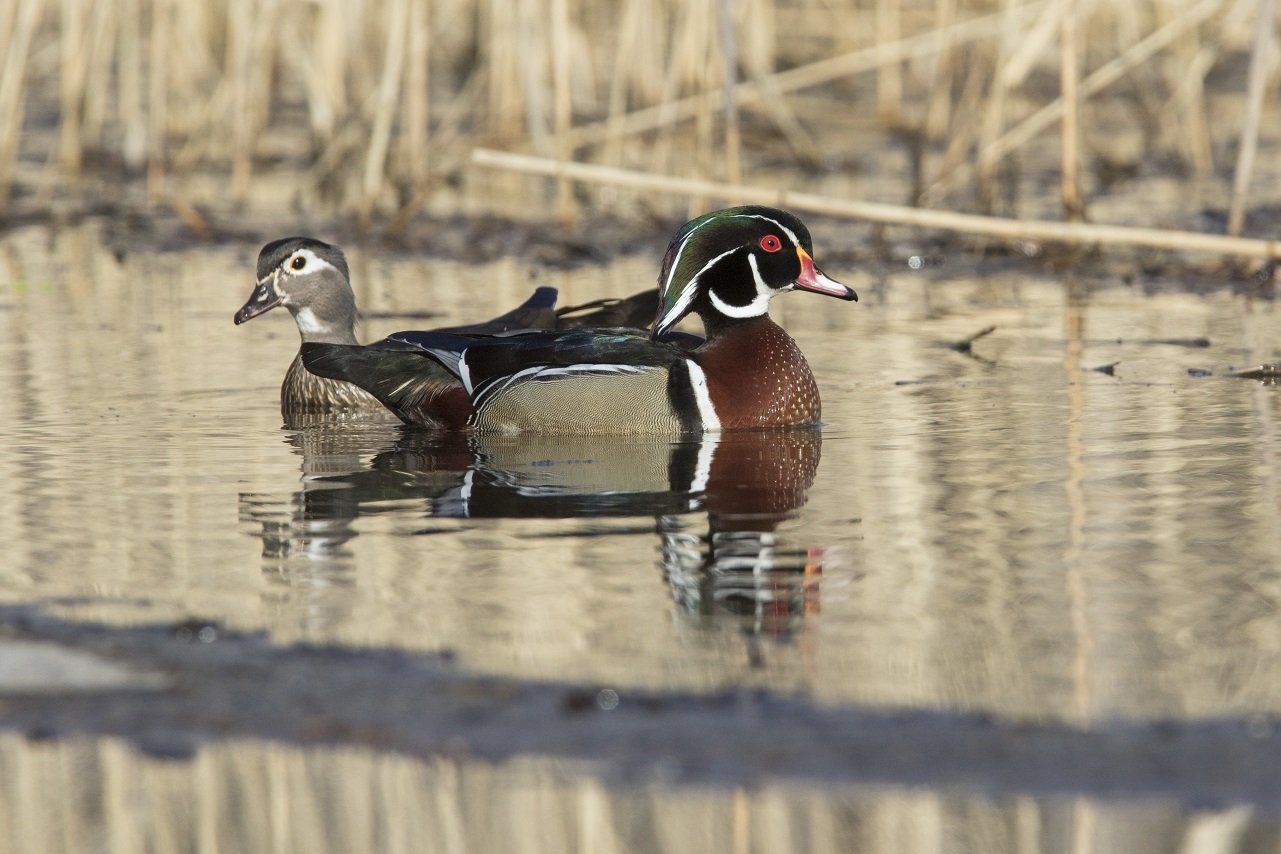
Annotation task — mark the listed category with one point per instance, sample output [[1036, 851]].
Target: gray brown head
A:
[[310, 278]]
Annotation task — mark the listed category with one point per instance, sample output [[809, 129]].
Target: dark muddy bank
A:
[[201, 682]]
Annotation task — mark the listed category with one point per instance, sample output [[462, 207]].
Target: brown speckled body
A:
[[305, 393], [758, 377]]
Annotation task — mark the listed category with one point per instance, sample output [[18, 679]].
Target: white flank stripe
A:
[[568, 370], [464, 493], [703, 468], [464, 372], [706, 412]]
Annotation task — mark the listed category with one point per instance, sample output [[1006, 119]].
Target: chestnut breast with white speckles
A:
[[758, 377]]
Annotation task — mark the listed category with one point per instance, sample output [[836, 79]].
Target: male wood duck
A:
[[724, 266], [311, 279]]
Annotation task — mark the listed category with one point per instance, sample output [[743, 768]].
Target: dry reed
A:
[[1069, 85], [373, 106], [1104, 76], [1012, 230], [20, 22], [1265, 26]]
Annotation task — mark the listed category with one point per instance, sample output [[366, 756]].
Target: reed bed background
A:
[[373, 109]]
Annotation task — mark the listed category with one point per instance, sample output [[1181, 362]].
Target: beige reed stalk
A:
[[938, 113], [994, 107], [1188, 66], [804, 76], [157, 90], [415, 152], [563, 103], [13, 83], [1103, 77], [1070, 189], [889, 75], [71, 84], [1264, 32], [240, 21], [133, 147], [729, 106], [1071, 233], [384, 110]]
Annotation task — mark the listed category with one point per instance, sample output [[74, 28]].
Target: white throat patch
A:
[[308, 323], [759, 304]]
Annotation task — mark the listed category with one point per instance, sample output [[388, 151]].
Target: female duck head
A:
[[311, 279]]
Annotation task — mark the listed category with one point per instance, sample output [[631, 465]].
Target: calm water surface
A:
[[1008, 532]]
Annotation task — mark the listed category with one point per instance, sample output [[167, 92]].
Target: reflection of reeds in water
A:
[[377, 103], [72, 796]]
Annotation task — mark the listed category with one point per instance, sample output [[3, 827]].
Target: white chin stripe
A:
[[307, 322], [759, 304], [703, 398]]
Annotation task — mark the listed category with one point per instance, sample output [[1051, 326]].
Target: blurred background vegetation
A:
[[370, 109]]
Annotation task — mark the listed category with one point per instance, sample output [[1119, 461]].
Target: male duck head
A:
[[310, 278], [727, 265]]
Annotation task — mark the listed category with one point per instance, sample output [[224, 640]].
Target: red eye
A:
[[771, 243]]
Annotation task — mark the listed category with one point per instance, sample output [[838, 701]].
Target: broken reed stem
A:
[[994, 109], [157, 83], [801, 77], [1103, 77], [938, 112], [1072, 233], [238, 61], [72, 84], [889, 75], [417, 100], [733, 163], [1257, 81], [384, 111], [1070, 188], [13, 85], [563, 104], [1189, 65]]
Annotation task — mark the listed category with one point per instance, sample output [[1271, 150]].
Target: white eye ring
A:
[[298, 262]]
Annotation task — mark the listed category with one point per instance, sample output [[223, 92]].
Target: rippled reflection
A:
[[716, 501]]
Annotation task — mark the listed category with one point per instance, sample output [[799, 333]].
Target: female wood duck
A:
[[724, 266], [311, 279]]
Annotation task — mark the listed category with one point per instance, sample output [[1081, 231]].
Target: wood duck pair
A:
[[724, 266], [311, 279]]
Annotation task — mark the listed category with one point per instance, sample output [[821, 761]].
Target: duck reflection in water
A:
[[717, 501]]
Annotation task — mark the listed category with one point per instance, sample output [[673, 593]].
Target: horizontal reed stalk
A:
[[1071, 233]]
